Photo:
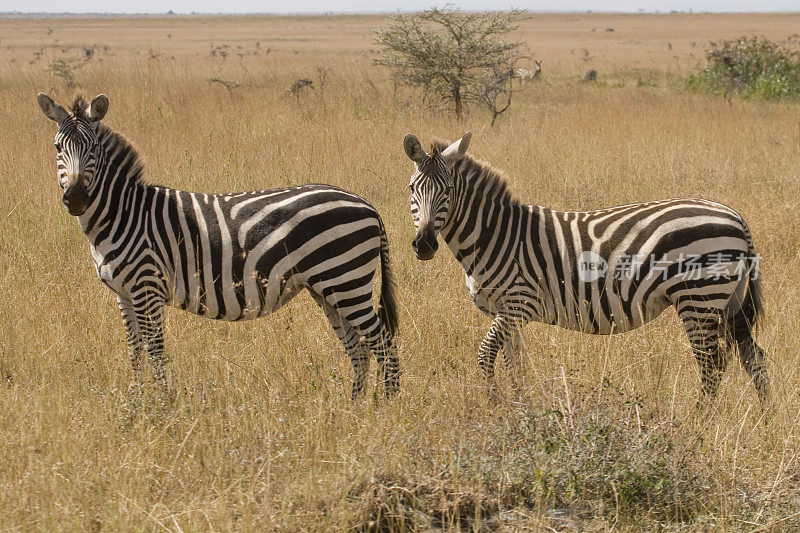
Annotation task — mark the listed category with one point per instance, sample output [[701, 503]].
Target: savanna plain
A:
[[262, 434]]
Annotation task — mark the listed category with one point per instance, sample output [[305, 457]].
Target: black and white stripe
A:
[[224, 256], [600, 272]]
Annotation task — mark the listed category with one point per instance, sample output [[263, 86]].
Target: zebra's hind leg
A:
[[702, 329], [382, 345], [739, 331], [381, 341], [356, 350], [752, 357]]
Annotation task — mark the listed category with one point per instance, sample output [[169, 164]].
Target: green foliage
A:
[[65, 67], [753, 67]]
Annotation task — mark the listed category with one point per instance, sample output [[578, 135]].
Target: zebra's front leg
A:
[[134, 338], [500, 333], [512, 351], [135, 352], [149, 310]]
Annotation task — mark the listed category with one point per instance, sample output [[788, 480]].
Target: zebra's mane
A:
[[79, 106], [116, 143], [482, 175]]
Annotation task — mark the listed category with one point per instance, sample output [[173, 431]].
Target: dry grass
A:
[[263, 434]]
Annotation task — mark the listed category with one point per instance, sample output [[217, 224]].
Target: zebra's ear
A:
[[98, 108], [51, 109], [414, 149], [456, 151]]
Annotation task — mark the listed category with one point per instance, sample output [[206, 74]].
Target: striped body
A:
[[232, 256], [241, 256], [534, 257], [600, 272]]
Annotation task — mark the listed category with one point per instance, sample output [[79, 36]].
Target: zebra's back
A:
[[243, 255]]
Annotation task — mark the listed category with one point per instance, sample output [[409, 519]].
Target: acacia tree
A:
[[494, 92], [454, 55]]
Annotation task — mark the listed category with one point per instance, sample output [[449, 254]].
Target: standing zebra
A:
[[225, 256], [526, 75], [600, 272]]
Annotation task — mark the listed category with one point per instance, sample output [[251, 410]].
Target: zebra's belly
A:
[[239, 299], [589, 308], [601, 316]]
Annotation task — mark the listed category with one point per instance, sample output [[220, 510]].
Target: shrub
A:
[[65, 68], [753, 67], [459, 57], [599, 459]]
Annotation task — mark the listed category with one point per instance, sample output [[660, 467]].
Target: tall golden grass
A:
[[604, 432]]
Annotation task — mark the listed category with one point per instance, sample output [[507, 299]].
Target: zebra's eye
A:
[[58, 147]]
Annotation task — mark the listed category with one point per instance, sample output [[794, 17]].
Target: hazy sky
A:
[[318, 6]]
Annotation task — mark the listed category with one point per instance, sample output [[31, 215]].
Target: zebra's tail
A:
[[387, 304], [744, 323]]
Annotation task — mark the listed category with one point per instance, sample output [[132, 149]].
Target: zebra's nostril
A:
[[425, 250]]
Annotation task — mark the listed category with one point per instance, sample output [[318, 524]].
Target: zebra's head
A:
[[431, 187], [76, 148]]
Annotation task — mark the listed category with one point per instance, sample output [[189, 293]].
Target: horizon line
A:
[[171, 13]]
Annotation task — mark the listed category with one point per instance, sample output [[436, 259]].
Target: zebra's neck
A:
[[117, 183], [482, 216]]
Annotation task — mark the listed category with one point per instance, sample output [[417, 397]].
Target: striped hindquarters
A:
[[613, 270]]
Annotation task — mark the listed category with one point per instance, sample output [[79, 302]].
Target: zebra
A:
[[525, 75], [234, 256], [600, 272]]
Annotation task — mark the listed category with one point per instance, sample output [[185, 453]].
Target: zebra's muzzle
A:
[[424, 244], [76, 198]]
